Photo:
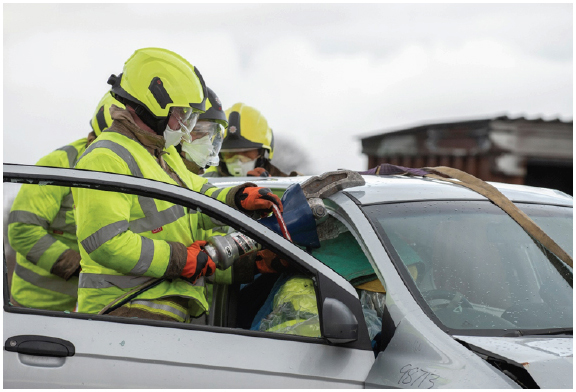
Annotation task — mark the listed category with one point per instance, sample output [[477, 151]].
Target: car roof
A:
[[385, 189]]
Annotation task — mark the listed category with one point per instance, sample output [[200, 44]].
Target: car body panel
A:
[[113, 355], [549, 360]]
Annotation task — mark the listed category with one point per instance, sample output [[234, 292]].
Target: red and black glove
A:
[[268, 262], [257, 199], [258, 172], [198, 263]]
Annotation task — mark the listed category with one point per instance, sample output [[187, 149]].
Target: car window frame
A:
[[327, 282]]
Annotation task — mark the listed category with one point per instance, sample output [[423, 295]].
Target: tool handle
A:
[[281, 223]]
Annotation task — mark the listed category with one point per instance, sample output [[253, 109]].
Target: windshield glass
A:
[[475, 268]]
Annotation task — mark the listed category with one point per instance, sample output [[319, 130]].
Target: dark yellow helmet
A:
[[247, 129], [102, 118], [154, 81]]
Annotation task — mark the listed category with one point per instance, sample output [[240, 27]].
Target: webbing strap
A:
[[494, 195]]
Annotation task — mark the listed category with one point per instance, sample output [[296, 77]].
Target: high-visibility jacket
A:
[[41, 227], [124, 239], [290, 308]]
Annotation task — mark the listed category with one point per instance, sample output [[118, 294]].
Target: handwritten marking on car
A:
[[417, 377]]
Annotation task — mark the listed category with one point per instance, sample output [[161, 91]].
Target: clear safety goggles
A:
[[206, 128], [233, 156], [186, 116]]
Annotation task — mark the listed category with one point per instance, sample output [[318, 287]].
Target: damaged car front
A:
[[482, 280]]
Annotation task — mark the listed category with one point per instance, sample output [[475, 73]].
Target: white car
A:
[[418, 284]]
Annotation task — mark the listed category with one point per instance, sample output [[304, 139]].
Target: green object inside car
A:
[[344, 255]]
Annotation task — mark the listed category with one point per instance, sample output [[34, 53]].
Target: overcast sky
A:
[[323, 74]]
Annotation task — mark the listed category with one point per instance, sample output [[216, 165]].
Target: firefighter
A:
[[248, 146], [42, 230], [127, 240], [202, 152]]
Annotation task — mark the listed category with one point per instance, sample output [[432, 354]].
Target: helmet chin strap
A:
[[158, 125]]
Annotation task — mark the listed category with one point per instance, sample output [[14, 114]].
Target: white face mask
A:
[[172, 138], [240, 169], [198, 151]]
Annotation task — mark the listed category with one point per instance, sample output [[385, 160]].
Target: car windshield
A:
[[474, 268]]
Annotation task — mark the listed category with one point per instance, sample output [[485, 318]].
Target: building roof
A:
[[475, 123]]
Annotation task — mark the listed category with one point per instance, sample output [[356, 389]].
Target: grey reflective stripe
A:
[[155, 305], [210, 174], [59, 222], [102, 281], [106, 233], [67, 202], [39, 248], [205, 187], [216, 193], [158, 219], [28, 218], [53, 282], [72, 154], [148, 205], [119, 150], [146, 256]]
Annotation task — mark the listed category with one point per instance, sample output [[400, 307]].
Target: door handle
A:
[[40, 345]]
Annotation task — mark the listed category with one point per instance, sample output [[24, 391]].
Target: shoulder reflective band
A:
[[151, 215], [72, 154]]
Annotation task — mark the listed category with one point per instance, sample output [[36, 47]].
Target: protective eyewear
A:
[[232, 156], [186, 116]]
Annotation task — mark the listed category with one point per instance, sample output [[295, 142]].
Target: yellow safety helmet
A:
[[102, 119], [247, 130], [155, 80]]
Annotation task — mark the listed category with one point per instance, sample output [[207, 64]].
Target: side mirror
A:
[[340, 324]]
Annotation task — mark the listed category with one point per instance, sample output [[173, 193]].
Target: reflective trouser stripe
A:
[[28, 218], [39, 248], [158, 219], [146, 256], [52, 282], [106, 233], [162, 307], [72, 154], [103, 281]]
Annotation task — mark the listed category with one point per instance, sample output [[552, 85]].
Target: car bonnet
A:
[[548, 360]]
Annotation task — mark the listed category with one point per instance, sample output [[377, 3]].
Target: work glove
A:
[[67, 265], [257, 199], [198, 263], [258, 172], [267, 262]]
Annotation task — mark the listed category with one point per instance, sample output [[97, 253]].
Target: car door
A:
[[51, 349]]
